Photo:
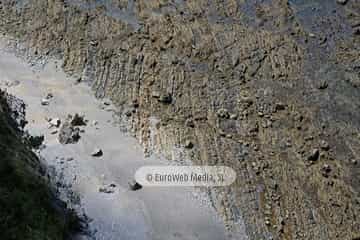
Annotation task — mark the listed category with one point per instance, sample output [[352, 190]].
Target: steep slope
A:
[[269, 88], [28, 208]]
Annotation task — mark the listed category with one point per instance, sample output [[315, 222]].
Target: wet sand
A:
[[150, 213]]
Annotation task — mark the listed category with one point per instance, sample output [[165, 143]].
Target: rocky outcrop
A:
[[28, 206], [255, 85]]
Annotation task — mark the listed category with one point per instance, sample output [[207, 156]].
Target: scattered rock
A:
[[11, 83], [36, 141], [189, 144], [322, 84], [155, 94], [325, 170], [45, 102], [77, 120], [357, 31], [94, 123], [223, 113], [55, 122], [135, 103], [165, 98], [314, 155], [128, 112], [134, 186], [78, 80], [53, 132], [322, 40], [342, 2], [106, 190], [49, 96], [93, 43], [254, 128], [325, 145], [309, 138], [222, 133], [279, 106], [68, 134], [69, 159], [97, 152], [233, 116], [267, 222], [189, 123]]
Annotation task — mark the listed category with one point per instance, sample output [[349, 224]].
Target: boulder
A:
[[36, 141], [165, 98], [97, 152], [325, 145], [53, 132], [190, 123], [314, 155], [106, 190], [77, 120], [342, 2], [134, 186], [45, 102], [55, 122], [49, 96], [189, 144], [68, 134], [322, 84]]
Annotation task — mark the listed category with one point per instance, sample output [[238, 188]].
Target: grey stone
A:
[[55, 122], [188, 144], [325, 145], [97, 152], [68, 134], [165, 98], [77, 120], [314, 155], [342, 2], [134, 186], [45, 102]]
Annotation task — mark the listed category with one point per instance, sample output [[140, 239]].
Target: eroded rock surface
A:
[[255, 85]]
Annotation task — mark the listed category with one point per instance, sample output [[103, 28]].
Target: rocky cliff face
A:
[[270, 88]]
